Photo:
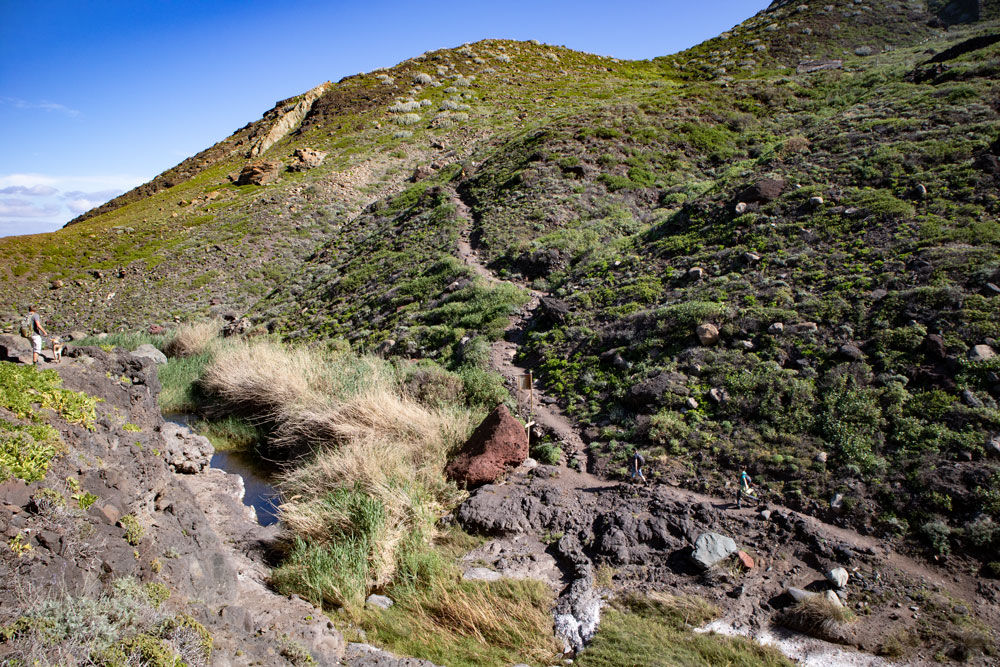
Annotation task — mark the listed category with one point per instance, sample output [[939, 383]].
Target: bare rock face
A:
[[499, 442], [260, 172], [307, 159]]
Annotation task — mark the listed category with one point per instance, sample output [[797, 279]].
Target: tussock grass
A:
[[261, 378], [370, 487], [192, 339], [819, 617]]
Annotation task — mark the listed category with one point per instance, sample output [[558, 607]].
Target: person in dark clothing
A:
[[635, 464]]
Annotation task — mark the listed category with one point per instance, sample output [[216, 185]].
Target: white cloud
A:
[[44, 105], [29, 190], [55, 200], [19, 208]]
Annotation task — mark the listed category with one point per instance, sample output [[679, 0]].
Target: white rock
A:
[[838, 576], [378, 602], [981, 353], [776, 328]]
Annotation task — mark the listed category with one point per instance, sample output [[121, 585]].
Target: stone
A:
[[810, 66], [981, 353], [708, 334], [833, 597], [56, 284], [838, 576], [15, 492], [746, 345], [740, 208], [852, 352], [147, 351], [711, 548], [260, 172], [745, 559], [76, 335], [555, 310], [497, 443], [751, 257], [816, 201], [718, 395], [993, 446], [970, 399], [186, 452], [820, 457], [307, 159], [776, 329], [837, 501], [378, 602], [695, 273], [918, 191], [763, 191], [805, 327], [691, 403], [798, 594], [481, 574], [765, 515], [157, 330]]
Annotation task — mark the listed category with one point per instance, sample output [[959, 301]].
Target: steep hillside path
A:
[[551, 418], [545, 411]]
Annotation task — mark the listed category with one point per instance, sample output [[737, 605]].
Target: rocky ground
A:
[[606, 537], [194, 534]]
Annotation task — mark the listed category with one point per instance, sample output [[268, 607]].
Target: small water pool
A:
[[258, 480]]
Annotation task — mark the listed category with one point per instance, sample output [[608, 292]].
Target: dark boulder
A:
[[500, 441], [763, 191]]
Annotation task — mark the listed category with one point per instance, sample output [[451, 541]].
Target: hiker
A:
[[635, 464], [744, 490], [32, 328]]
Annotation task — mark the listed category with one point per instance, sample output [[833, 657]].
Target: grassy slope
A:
[[608, 208]]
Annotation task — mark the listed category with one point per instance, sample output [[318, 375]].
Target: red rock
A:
[[260, 173], [499, 442], [745, 559], [156, 329]]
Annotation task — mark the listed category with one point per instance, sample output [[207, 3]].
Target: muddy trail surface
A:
[[640, 538]]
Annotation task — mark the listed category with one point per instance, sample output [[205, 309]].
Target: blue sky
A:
[[99, 96]]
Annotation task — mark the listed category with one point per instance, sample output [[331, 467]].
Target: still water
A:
[[260, 493]]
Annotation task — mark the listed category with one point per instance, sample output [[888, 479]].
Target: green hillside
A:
[[817, 167]]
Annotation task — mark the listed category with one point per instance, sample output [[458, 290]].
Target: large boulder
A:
[[711, 548], [260, 172], [500, 441], [149, 352], [708, 334]]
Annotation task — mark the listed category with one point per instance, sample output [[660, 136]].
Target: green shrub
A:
[[26, 450], [937, 534]]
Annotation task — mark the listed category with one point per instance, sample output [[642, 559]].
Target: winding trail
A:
[[551, 418]]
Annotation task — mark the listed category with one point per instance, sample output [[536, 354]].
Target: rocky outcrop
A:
[[287, 121], [148, 351], [189, 534], [498, 443], [307, 158], [260, 172]]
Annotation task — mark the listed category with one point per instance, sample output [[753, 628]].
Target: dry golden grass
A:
[[363, 436], [262, 378], [193, 338], [819, 617]]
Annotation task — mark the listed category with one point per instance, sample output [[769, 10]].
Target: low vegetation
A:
[[657, 630], [121, 626]]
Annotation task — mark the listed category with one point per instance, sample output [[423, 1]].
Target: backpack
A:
[[26, 327]]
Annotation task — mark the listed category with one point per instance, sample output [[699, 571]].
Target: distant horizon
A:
[[97, 100]]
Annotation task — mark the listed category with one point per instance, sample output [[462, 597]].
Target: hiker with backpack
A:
[[744, 490], [31, 328]]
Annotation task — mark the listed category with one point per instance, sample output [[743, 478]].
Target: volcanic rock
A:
[[710, 548], [260, 172], [499, 442]]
